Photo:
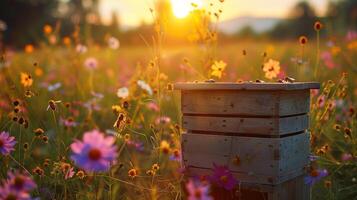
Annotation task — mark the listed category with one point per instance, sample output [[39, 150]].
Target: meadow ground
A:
[[52, 95]]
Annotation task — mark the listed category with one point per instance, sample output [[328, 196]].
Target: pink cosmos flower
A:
[[69, 174], [96, 152], [197, 191], [222, 177], [162, 120], [7, 143], [153, 106]]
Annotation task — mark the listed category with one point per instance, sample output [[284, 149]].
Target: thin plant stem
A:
[[317, 54]]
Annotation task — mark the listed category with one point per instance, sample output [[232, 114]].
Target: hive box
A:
[[258, 130]]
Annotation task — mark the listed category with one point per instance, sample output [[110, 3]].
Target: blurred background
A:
[[22, 21]]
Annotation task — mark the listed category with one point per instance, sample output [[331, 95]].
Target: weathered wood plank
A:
[[245, 103], [292, 189], [252, 159], [247, 86], [244, 125], [204, 150], [294, 151], [293, 124], [294, 102]]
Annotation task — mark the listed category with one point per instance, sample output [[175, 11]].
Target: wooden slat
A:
[[292, 189], [244, 125], [245, 103], [294, 151], [248, 103], [291, 102], [247, 86], [261, 160], [204, 150]]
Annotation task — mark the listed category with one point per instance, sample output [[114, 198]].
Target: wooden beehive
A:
[[258, 130]]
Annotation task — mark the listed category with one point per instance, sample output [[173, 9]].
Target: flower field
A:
[[87, 121]]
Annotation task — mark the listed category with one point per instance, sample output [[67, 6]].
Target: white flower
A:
[[80, 48], [113, 43], [3, 26], [91, 63], [143, 85], [123, 92], [54, 87]]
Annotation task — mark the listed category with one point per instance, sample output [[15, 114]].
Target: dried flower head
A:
[[303, 40], [318, 26], [80, 174], [155, 167], [132, 173], [39, 171]]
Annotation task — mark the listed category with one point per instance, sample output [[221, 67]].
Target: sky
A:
[[133, 12]]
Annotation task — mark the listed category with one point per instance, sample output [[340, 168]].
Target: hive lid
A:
[[246, 86]]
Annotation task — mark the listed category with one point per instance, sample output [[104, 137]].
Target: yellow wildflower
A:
[[165, 147], [271, 69], [155, 167], [26, 79], [218, 68]]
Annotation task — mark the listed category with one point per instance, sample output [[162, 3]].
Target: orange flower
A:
[[352, 45], [38, 71], [29, 48], [271, 69], [303, 40], [47, 29], [26, 79], [67, 41]]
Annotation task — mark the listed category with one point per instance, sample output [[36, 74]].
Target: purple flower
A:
[[91, 63], [315, 175], [346, 157], [20, 182], [6, 192], [313, 158], [197, 191], [139, 146], [351, 35], [95, 153], [328, 60], [7, 143], [176, 155], [69, 122], [222, 177], [162, 120]]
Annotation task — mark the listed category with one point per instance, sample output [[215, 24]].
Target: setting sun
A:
[[181, 8]]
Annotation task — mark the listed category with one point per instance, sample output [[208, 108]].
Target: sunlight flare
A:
[[181, 8]]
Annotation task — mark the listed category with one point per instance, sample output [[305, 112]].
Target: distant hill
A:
[[258, 24]]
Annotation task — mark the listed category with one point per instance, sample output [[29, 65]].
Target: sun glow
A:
[[181, 8]]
